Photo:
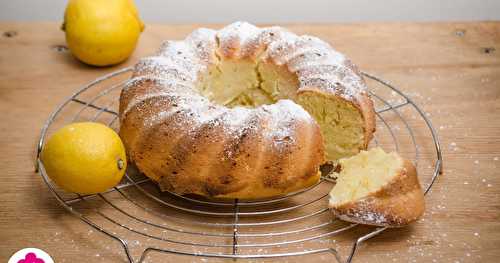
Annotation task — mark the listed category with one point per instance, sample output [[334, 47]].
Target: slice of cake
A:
[[377, 188]]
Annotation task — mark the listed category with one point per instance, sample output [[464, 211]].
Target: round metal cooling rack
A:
[[189, 226]]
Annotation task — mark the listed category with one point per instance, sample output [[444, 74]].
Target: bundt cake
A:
[[243, 112], [377, 188]]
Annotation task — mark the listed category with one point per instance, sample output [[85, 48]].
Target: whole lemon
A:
[[102, 32], [85, 158]]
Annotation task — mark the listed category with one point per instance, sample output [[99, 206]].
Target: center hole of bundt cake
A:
[[248, 83]]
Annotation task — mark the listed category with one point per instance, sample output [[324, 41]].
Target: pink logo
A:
[[31, 255], [31, 258]]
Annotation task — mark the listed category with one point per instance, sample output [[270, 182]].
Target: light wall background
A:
[[274, 11]]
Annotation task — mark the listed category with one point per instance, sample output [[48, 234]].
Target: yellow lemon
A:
[[85, 158], [102, 32]]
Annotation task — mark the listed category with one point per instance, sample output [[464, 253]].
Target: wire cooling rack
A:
[[292, 226]]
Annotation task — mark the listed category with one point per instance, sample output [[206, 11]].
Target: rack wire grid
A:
[[292, 226]]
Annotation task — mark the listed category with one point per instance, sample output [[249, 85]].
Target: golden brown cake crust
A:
[[365, 106], [397, 204]]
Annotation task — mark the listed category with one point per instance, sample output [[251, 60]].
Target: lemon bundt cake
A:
[[243, 112], [377, 188]]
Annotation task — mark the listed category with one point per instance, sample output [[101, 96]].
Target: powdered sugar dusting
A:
[[239, 37], [283, 117], [164, 83], [284, 44], [203, 41], [317, 65], [168, 68], [177, 56], [136, 100], [235, 120], [194, 106], [370, 216]]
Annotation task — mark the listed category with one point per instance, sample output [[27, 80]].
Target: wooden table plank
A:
[[452, 70]]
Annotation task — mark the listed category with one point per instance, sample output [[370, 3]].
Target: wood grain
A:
[[452, 70]]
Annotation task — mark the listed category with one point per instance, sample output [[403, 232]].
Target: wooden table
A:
[[452, 70]]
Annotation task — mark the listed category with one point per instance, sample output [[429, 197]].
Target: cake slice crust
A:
[[377, 188]]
